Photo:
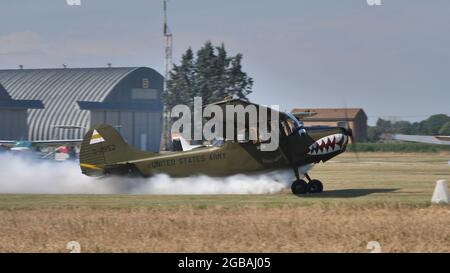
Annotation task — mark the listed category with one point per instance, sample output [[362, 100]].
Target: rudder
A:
[[103, 146]]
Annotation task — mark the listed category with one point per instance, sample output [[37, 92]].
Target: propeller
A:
[[350, 131]]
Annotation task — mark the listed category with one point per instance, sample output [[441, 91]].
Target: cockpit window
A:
[[287, 127], [248, 134], [290, 124]]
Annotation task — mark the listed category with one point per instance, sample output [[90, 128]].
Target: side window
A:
[[286, 126], [250, 134]]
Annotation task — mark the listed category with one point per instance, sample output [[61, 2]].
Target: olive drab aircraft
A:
[[104, 152]]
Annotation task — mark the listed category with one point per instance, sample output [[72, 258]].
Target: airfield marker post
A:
[[440, 194]]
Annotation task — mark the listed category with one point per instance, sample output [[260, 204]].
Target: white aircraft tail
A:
[[186, 146]]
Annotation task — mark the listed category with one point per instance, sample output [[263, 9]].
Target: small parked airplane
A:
[[441, 140]]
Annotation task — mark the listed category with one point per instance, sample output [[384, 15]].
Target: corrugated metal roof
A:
[[6, 102], [59, 90]]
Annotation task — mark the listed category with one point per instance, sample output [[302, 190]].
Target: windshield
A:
[[290, 124]]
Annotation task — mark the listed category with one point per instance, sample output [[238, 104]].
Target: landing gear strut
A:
[[300, 186]]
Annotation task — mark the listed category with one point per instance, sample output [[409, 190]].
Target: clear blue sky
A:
[[391, 60]]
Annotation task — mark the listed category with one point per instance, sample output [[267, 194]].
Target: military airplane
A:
[[104, 152]]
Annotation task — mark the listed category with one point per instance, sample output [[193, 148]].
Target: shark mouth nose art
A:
[[328, 144]]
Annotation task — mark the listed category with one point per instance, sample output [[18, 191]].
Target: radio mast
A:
[[166, 136], [167, 46]]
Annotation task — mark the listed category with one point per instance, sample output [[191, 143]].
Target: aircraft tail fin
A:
[[103, 147], [187, 146]]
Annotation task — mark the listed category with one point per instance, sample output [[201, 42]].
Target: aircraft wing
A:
[[43, 143], [245, 103], [7, 143], [303, 115], [442, 140], [249, 126], [56, 142]]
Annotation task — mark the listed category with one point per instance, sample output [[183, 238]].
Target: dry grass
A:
[[383, 198], [301, 229]]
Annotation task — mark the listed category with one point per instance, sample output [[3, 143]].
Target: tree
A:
[[433, 124], [402, 127], [239, 84], [384, 126], [181, 84], [372, 134], [211, 74], [445, 129]]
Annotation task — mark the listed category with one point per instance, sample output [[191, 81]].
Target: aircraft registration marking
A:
[[104, 149]]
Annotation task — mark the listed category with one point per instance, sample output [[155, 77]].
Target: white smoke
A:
[[19, 174], [23, 174]]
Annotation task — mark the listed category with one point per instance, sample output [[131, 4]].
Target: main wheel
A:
[[299, 187], [315, 186]]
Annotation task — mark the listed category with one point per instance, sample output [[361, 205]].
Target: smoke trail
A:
[[19, 174], [24, 174], [236, 184]]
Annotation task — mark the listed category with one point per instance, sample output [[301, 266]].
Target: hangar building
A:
[[13, 116], [75, 99]]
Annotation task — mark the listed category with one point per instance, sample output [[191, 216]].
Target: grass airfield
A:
[[382, 197]]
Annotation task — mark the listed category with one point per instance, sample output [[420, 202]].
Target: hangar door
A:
[[142, 130]]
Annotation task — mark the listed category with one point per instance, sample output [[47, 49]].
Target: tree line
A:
[[434, 125]]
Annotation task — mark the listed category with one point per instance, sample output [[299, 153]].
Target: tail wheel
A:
[[315, 186], [299, 187]]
